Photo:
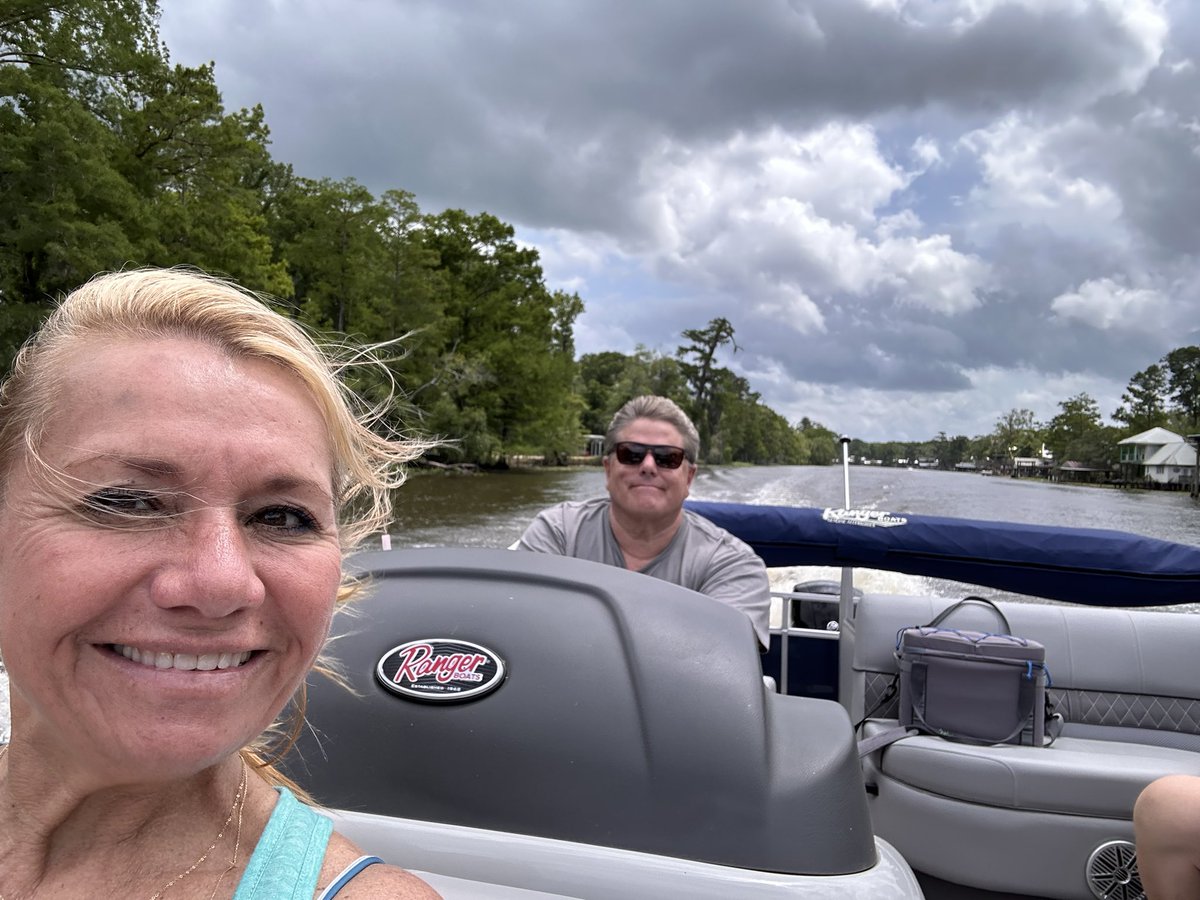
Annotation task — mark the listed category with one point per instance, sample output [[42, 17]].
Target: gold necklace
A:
[[239, 804]]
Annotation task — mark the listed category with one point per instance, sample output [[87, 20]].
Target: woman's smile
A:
[[184, 661]]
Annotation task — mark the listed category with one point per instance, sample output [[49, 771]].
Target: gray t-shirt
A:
[[702, 556]]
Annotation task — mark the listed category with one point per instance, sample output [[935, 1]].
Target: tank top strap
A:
[[346, 875], [286, 863]]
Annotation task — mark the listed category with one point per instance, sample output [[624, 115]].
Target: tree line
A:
[[1165, 394], [111, 156]]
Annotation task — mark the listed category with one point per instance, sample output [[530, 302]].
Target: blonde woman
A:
[[181, 474]]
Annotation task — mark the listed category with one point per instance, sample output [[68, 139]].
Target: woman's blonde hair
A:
[[146, 304]]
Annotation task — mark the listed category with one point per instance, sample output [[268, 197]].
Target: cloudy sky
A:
[[917, 214]]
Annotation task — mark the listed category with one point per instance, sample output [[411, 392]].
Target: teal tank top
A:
[[287, 861]]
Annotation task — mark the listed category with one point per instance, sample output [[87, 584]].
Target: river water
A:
[[491, 510]]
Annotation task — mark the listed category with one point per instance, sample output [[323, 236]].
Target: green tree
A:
[[647, 372], [1144, 405], [1015, 435], [109, 157], [823, 446], [88, 40], [701, 373], [198, 171], [754, 433], [411, 299], [597, 378], [957, 450], [1183, 380], [65, 207], [507, 337], [331, 236], [735, 431], [1077, 433]]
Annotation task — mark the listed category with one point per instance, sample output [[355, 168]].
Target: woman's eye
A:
[[285, 519], [122, 502]]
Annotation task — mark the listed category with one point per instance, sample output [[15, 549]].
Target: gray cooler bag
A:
[[972, 686]]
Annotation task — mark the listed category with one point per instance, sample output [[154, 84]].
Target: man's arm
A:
[[545, 534], [737, 576]]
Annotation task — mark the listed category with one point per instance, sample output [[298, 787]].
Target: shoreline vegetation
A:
[[530, 463]]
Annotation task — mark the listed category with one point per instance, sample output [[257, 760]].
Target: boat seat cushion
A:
[[1074, 776], [1127, 683], [1109, 668]]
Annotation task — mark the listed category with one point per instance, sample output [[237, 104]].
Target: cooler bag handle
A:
[[945, 613]]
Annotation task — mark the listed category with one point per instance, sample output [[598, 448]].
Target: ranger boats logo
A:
[[440, 669], [871, 518]]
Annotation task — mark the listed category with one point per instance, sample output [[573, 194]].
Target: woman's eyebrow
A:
[[166, 470], [298, 482], [146, 465]]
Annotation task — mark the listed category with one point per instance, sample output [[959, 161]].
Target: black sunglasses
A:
[[631, 453]]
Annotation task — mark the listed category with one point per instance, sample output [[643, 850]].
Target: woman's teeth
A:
[[186, 661]]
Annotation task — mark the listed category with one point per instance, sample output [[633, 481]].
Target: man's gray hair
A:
[[660, 409]]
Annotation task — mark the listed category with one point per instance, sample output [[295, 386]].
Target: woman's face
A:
[[166, 588]]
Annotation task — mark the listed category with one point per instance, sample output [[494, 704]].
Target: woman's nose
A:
[[210, 568]]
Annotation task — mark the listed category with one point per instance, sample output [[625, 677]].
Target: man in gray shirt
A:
[[649, 463]]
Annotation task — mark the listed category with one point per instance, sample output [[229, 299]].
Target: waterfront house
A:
[[1158, 456], [1031, 466], [1072, 470], [1173, 465]]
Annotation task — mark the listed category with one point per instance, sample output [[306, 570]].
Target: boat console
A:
[[565, 699]]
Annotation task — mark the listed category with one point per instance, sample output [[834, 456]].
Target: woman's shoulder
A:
[[376, 881]]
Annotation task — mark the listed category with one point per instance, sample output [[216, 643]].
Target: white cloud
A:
[[1104, 303], [905, 222], [791, 308], [787, 217], [1031, 174], [1145, 21], [837, 170], [925, 152], [931, 274], [901, 415], [577, 253], [1002, 389]]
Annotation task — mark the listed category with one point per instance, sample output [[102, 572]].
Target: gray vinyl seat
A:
[[1019, 818], [1078, 777]]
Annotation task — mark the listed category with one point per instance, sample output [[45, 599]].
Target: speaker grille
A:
[[1112, 872]]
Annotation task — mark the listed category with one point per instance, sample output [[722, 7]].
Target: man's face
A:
[[644, 492]]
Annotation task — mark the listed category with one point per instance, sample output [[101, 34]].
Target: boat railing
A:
[[803, 614]]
